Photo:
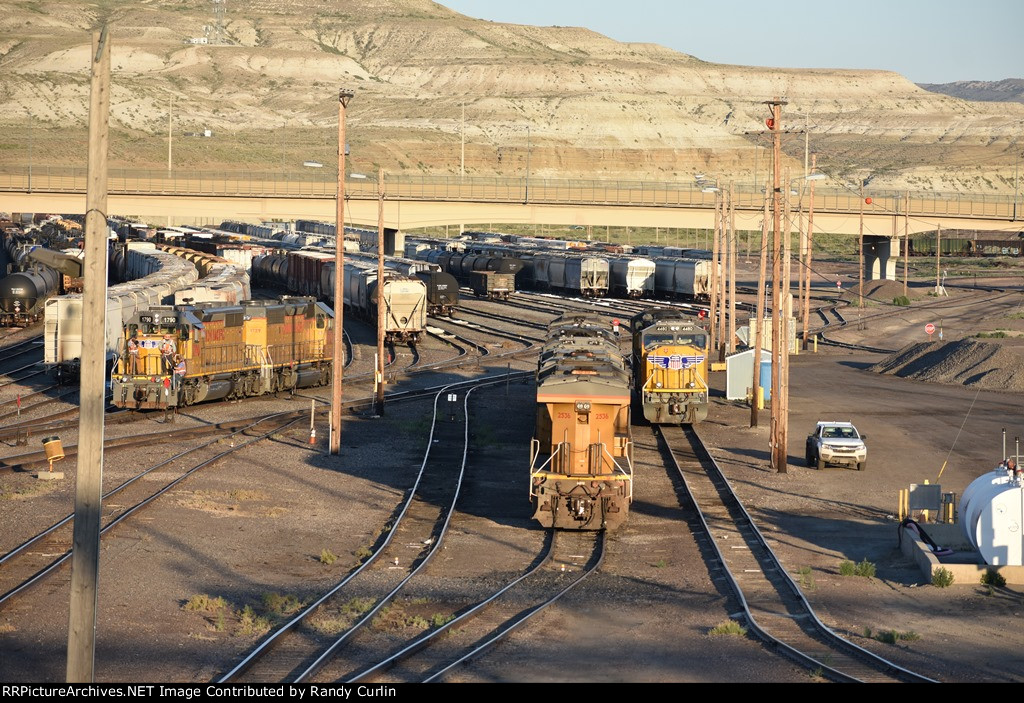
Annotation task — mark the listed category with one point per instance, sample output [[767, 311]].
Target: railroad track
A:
[[29, 563], [568, 560], [772, 605], [297, 651], [832, 317], [29, 346]]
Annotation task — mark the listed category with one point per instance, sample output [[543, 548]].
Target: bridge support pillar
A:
[[880, 257]]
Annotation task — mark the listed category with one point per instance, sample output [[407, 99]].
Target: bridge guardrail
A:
[[67, 179]]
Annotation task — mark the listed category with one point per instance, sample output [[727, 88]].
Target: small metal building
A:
[[739, 374]]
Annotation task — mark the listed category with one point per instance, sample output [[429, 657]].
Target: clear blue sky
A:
[[928, 41]]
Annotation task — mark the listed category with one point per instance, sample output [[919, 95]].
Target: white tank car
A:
[[160, 275]]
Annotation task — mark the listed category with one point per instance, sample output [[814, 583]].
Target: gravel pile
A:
[[967, 362], [884, 291]]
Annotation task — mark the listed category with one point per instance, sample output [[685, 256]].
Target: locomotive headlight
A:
[[692, 384], [582, 407]]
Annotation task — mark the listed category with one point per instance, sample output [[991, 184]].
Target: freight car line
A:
[[784, 618], [283, 420], [422, 520], [580, 554]]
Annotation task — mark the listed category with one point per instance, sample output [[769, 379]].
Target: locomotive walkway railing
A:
[[540, 191]]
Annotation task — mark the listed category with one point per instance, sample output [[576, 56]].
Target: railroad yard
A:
[[269, 523]]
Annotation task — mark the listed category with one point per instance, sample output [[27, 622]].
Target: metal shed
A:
[[739, 370]]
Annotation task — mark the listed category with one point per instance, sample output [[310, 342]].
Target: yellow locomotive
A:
[[175, 356], [670, 367], [581, 471]]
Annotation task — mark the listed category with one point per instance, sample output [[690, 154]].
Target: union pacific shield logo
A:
[[676, 362]]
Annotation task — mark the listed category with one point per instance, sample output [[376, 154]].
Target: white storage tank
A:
[[992, 516]]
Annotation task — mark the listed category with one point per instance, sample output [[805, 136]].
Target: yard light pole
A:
[[338, 363]]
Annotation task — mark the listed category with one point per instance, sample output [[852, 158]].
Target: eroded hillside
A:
[[564, 100]]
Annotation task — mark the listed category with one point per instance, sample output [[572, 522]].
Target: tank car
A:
[[23, 295], [670, 367], [162, 274], [235, 351], [581, 470]]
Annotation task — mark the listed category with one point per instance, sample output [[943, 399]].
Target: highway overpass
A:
[[187, 197]]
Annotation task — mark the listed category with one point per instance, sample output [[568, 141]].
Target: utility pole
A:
[[810, 253], [170, 131], [759, 334], [382, 306], [860, 247], [723, 252], [31, 139], [344, 96], [713, 312], [906, 241], [85, 555], [787, 316], [938, 257], [733, 243], [462, 163], [1016, 183], [780, 451]]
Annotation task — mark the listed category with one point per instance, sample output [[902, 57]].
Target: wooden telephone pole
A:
[[759, 334], [779, 446], [85, 555]]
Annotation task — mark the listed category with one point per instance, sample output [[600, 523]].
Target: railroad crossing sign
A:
[[930, 329]]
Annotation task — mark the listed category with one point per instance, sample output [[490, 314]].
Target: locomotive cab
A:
[[670, 356]]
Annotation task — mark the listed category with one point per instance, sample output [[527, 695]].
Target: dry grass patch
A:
[[419, 614], [336, 621], [224, 503]]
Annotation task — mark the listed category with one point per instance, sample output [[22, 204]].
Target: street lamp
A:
[[806, 246], [338, 362], [1016, 183]]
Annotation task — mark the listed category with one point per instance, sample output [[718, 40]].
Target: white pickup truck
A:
[[836, 443]]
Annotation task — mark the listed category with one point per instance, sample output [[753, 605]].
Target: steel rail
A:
[[275, 638], [769, 562], [597, 558], [53, 566]]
